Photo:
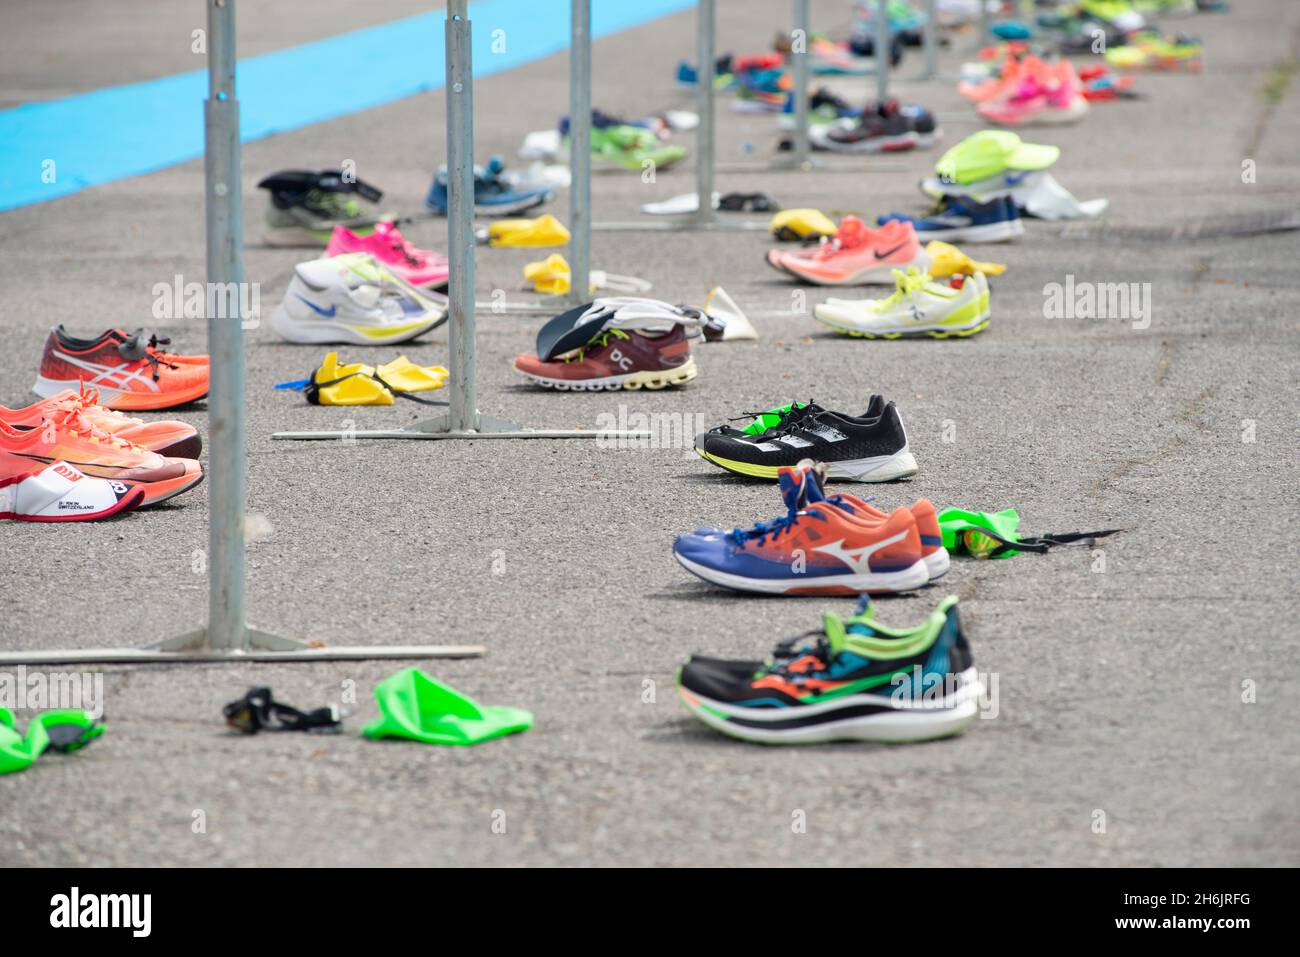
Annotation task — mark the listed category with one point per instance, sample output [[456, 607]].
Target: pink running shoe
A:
[[1054, 99], [419, 267], [856, 256]]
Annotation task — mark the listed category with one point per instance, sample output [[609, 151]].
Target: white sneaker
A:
[[920, 306], [352, 298]]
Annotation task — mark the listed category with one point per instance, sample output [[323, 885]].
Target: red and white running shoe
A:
[[60, 493], [129, 372]]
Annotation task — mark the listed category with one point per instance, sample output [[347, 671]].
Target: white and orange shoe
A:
[[66, 435], [129, 372], [166, 437], [856, 256], [58, 492]]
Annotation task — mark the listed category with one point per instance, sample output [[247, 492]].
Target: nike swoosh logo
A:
[[327, 313], [1015, 180], [891, 252]]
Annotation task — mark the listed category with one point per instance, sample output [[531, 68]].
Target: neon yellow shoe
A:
[[919, 307]]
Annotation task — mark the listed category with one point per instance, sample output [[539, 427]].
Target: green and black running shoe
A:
[[855, 680]]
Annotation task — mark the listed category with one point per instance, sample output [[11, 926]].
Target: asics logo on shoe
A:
[[113, 377], [327, 313], [891, 252], [859, 559]]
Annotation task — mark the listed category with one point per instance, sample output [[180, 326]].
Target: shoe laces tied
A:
[[852, 234], [906, 285], [77, 426], [597, 343]]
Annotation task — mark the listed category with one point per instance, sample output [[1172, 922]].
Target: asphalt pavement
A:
[[1142, 715]]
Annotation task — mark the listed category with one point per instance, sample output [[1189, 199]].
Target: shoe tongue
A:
[[835, 633], [793, 487], [811, 488], [852, 232]]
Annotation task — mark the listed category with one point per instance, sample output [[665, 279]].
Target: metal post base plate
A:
[[438, 427], [193, 647]]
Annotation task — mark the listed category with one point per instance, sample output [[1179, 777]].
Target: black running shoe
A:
[[764, 422], [856, 680], [871, 447]]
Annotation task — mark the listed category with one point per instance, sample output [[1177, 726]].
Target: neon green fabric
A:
[[955, 523], [414, 706], [75, 729]]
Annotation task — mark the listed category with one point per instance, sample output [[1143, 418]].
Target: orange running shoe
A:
[[66, 436], [128, 372], [817, 548], [60, 493], [166, 437], [856, 256]]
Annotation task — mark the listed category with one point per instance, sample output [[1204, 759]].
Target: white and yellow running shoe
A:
[[353, 298], [920, 306]]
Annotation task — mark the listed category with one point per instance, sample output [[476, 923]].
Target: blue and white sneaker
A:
[[961, 218], [493, 194]]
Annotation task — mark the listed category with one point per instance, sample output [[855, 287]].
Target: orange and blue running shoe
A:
[[129, 372], [57, 492], [67, 436], [817, 548], [166, 437]]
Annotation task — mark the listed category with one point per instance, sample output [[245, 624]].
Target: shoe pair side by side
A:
[[1051, 97], [853, 679], [871, 447], [836, 545], [493, 193], [67, 435], [920, 306], [304, 206], [353, 298], [167, 437], [856, 255], [128, 372]]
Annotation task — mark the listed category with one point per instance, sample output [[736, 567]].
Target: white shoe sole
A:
[[315, 332], [881, 274], [882, 144], [881, 468], [902, 723], [841, 324], [907, 579], [938, 563], [988, 233], [632, 381]]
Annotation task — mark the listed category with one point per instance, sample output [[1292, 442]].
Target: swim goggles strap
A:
[[258, 711]]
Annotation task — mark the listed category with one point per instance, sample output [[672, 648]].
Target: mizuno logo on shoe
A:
[[858, 559], [327, 313]]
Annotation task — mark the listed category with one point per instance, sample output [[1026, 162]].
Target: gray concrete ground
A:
[[1123, 679]]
